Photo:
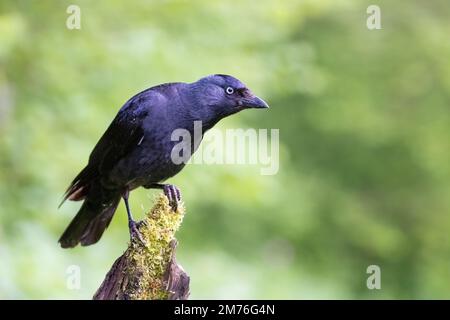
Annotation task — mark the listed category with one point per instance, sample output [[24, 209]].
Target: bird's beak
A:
[[254, 102]]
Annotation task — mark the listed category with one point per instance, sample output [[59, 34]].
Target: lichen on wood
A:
[[148, 270]]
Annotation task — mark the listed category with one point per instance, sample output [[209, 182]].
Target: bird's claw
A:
[[173, 194], [135, 234]]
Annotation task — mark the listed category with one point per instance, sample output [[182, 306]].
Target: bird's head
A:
[[218, 96]]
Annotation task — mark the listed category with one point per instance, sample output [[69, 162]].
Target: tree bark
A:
[[148, 270]]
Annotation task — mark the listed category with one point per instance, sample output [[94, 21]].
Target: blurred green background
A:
[[364, 143]]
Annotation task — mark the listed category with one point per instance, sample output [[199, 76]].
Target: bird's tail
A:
[[93, 217]]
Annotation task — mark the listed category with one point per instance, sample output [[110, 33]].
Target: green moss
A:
[[147, 263]]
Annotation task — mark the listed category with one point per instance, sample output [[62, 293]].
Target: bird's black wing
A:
[[124, 132], [122, 135]]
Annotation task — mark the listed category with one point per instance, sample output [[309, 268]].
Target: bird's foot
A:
[[135, 234], [173, 194]]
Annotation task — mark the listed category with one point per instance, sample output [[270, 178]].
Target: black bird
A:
[[136, 149]]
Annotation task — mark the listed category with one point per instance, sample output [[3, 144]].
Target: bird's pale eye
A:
[[229, 90]]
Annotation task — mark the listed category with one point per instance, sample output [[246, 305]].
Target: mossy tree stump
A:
[[148, 270]]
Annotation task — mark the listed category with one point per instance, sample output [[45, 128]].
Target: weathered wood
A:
[[149, 270]]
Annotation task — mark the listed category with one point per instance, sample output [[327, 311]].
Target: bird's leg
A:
[[172, 193], [132, 225]]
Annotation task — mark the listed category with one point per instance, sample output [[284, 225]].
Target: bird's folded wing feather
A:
[[124, 132], [122, 135]]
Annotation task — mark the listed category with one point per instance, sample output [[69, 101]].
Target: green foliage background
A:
[[364, 129]]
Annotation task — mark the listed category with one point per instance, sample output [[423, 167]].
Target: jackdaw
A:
[[136, 149]]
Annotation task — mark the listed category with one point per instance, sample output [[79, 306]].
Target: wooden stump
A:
[[149, 270]]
